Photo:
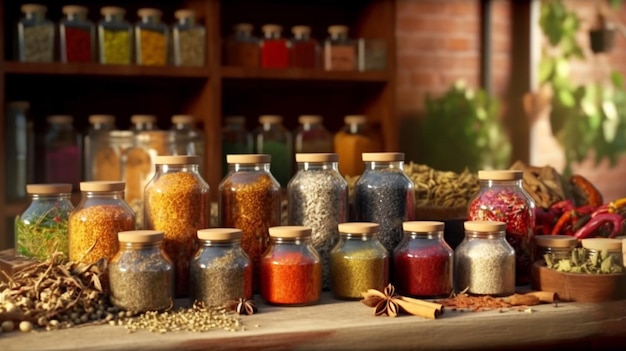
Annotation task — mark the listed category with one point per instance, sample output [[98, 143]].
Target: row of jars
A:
[[337, 52], [560, 247], [147, 42]]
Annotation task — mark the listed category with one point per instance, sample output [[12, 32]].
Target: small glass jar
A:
[[177, 201], [359, 261], [355, 138], [312, 136], [41, 230], [140, 123], [242, 47], [484, 262], [96, 220], [339, 50], [303, 49], [291, 270], [221, 271], [501, 197], [274, 48], [115, 37], [236, 139], [602, 249], [35, 35], [151, 38], [109, 155], [272, 138], [19, 150], [372, 54], [77, 35], [141, 275], [423, 263], [249, 199], [317, 197], [384, 194], [99, 126], [189, 39], [559, 247], [62, 151]]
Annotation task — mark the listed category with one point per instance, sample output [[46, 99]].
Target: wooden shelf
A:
[[230, 72]]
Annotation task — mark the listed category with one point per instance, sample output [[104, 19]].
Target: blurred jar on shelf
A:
[[355, 138], [372, 54], [312, 136], [274, 48], [77, 34], [151, 37], [236, 139], [189, 39], [143, 122], [242, 47], [272, 138], [187, 139], [19, 151], [115, 37], [340, 52], [99, 126], [35, 35], [303, 49], [62, 151]]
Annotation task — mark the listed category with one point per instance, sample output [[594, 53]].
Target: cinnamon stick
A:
[[437, 306], [544, 296], [417, 309]]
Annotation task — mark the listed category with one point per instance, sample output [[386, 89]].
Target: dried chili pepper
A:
[[592, 195], [611, 207], [566, 221], [545, 219], [563, 205], [596, 223]]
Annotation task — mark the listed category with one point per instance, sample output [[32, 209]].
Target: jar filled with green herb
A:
[[220, 270], [359, 261], [141, 275], [271, 137], [41, 230]]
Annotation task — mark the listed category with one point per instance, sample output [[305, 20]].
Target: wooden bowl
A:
[[579, 287]]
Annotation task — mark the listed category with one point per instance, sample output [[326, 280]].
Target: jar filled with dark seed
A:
[[220, 270], [384, 194], [484, 261], [318, 199], [141, 275]]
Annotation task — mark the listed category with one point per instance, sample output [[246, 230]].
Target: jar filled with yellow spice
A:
[[114, 37], [151, 37]]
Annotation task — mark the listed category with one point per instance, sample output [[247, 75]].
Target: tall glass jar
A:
[[236, 139], [317, 197], [109, 155], [339, 50], [35, 35], [141, 275], [221, 271], [423, 263], [303, 49], [249, 199], [19, 150], [99, 126], [242, 47], [189, 39], [77, 34], [96, 220], [359, 261], [501, 197], [188, 140], [312, 136], [355, 138], [274, 48], [151, 38], [177, 202], [272, 138], [115, 37], [41, 230], [62, 151], [484, 261], [291, 271], [384, 194]]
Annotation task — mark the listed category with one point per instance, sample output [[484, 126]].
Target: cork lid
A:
[[270, 119], [60, 119], [28, 8], [19, 105], [235, 120], [602, 244], [287, 231], [184, 13], [556, 241], [505, 174], [48, 188], [317, 157], [337, 29], [355, 119], [382, 156], [358, 228], [102, 185], [219, 234], [484, 226], [182, 119], [300, 30], [112, 11], [248, 158], [177, 160], [149, 12], [271, 28], [310, 119], [73, 9], [134, 119], [101, 119], [423, 226], [140, 236], [243, 27]]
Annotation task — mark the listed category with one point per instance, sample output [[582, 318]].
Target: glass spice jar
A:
[[115, 37], [272, 138], [274, 48], [317, 197], [384, 194], [62, 151], [249, 199], [303, 49], [358, 261], [484, 262], [355, 138], [93, 225], [602, 249], [141, 123], [176, 201], [423, 262], [151, 38], [242, 47], [141, 275], [77, 35], [41, 230], [189, 39], [236, 139], [220, 270], [99, 126], [340, 52], [35, 35], [559, 247], [291, 270], [501, 197], [19, 150], [311, 136]]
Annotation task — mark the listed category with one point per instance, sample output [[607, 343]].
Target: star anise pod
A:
[[242, 306], [383, 302]]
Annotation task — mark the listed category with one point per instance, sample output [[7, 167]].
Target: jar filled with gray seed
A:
[[484, 260], [35, 35], [318, 199], [384, 194]]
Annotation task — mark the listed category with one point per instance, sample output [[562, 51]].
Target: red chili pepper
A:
[[545, 220], [597, 222], [568, 218], [563, 205], [592, 195]]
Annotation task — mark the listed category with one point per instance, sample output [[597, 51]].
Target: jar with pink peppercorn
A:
[[502, 198]]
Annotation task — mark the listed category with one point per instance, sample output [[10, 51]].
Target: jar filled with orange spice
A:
[[355, 138]]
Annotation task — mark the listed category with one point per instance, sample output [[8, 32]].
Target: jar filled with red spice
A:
[[291, 269], [340, 52], [502, 198], [423, 261], [242, 47], [274, 48], [77, 35], [303, 50]]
